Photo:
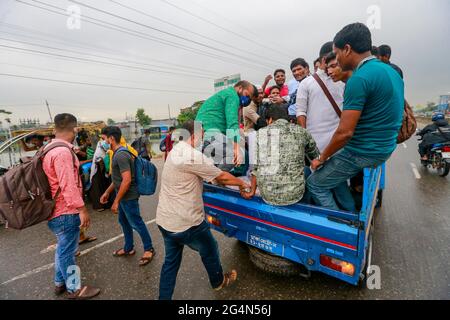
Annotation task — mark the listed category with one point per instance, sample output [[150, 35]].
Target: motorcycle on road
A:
[[439, 158]]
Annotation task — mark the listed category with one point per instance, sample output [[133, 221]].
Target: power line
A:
[[190, 31], [145, 36], [94, 55], [219, 26], [159, 30], [247, 30], [100, 62], [86, 75], [86, 46], [100, 84]]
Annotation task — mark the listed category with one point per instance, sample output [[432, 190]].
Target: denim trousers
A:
[[197, 238], [130, 219], [332, 179], [67, 231]]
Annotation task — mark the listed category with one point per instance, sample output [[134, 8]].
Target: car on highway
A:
[[299, 239]]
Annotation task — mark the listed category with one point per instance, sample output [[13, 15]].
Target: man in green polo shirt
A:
[[371, 118], [219, 116]]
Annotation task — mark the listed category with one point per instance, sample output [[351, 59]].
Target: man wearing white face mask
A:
[[219, 116]]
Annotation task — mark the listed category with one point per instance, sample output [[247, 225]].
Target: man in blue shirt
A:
[[371, 118]]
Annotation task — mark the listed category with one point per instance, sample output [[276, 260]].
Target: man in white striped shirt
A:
[[314, 110]]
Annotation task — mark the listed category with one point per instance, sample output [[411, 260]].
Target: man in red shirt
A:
[[168, 142], [280, 79], [62, 169]]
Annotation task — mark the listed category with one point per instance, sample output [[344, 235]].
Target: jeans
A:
[[199, 239], [129, 219], [67, 231], [332, 179]]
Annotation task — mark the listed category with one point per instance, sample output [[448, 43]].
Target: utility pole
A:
[[168, 107], [49, 112]]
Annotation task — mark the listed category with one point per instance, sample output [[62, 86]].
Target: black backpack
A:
[[162, 145]]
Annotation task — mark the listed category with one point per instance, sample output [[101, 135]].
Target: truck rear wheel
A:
[[274, 264], [379, 202]]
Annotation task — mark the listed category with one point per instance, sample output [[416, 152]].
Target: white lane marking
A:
[[50, 248], [415, 171], [51, 265], [29, 273], [404, 145]]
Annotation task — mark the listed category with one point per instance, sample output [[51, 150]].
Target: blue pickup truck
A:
[[299, 239]]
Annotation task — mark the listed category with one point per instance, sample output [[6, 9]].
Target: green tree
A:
[[142, 118], [186, 116], [4, 112], [110, 122], [190, 113]]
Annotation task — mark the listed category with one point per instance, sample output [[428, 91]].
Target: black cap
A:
[[326, 49]]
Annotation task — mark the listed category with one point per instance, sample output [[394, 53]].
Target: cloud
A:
[[417, 31]]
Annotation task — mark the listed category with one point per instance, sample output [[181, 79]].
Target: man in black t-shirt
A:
[[126, 203], [385, 52]]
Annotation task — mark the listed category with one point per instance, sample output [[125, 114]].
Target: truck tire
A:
[[379, 203], [273, 264]]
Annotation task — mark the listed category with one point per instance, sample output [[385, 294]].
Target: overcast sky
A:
[[197, 42]]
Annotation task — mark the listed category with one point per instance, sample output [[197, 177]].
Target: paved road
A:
[[412, 238]]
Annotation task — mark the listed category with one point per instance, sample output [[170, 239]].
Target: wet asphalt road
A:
[[411, 246]]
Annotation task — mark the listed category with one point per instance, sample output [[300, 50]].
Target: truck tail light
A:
[[213, 220], [446, 149], [337, 265]]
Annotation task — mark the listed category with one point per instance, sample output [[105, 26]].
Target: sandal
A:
[[122, 253], [59, 290], [87, 240], [84, 293], [146, 260], [228, 279]]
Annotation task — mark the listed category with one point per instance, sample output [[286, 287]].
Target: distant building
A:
[[444, 103], [164, 122]]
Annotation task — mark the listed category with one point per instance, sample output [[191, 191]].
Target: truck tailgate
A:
[[297, 226]]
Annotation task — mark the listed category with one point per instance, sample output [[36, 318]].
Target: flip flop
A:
[[146, 260], [228, 279], [124, 254], [87, 240]]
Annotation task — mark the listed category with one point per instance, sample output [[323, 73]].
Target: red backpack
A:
[[25, 195]]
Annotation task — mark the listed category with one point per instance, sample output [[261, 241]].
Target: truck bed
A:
[[300, 233]]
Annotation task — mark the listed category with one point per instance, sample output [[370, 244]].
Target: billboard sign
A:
[[226, 82]]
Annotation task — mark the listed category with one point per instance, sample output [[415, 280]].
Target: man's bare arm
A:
[[301, 120], [228, 179]]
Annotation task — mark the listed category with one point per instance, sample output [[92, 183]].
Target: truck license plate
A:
[[265, 244]]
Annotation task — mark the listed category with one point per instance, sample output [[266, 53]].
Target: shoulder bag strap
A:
[[328, 94]]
